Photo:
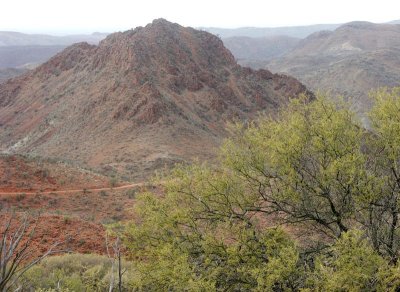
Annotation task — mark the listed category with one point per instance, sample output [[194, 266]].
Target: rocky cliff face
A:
[[139, 100]]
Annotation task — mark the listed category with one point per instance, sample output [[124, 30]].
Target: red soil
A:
[[21, 174], [70, 234], [74, 217]]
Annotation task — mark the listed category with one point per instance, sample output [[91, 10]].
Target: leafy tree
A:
[[316, 164], [312, 167], [384, 164], [307, 164], [351, 265], [197, 238]]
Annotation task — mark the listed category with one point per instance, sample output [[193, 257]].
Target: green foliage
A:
[[316, 164], [113, 182], [385, 118], [73, 272], [131, 193], [198, 238], [307, 163], [384, 143], [352, 265], [311, 167], [52, 290]]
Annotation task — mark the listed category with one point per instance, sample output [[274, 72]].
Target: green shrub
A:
[[131, 193], [113, 182], [74, 272], [20, 197], [313, 168]]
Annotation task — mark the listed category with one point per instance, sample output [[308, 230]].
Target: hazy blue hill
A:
[[10, 73], [20, 56], [352, 60], [259, 49], [291, 31], [10, 38]]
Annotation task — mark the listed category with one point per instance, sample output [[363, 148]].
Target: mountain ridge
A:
[[260, 49], [13, 38], [350, 61], [139, 100]]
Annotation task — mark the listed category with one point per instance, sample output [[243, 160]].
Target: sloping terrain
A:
[[68, 233], [139, 100], [28, 174], [75, 218], [352, 60], [259, 49]]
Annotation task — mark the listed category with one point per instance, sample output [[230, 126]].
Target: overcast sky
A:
[[74, 16]]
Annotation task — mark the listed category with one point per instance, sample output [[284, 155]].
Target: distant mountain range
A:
[[260, 49], [248, 44], [139, 100], [10, 38], [27, 56], [257, 32], [21, 51], [266, 32], [8, 73], [351, 60]]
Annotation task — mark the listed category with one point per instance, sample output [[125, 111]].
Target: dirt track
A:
[[75, 190]]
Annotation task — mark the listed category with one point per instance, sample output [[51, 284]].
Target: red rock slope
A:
[[139, 100]]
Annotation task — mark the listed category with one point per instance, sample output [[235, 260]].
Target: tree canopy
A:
[[305, 199]]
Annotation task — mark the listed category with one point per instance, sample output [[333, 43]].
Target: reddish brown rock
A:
[[139, 100]]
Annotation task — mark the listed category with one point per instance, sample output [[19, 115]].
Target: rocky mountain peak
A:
[[140, 99]]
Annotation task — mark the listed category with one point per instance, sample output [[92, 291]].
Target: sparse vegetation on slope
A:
[[34, 174]]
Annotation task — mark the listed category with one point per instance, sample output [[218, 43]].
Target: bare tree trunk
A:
[[112, 259], [15, 251], [119, 269], [116, 255]]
